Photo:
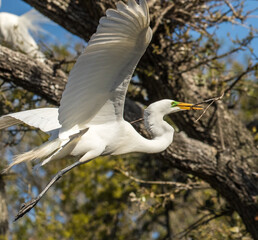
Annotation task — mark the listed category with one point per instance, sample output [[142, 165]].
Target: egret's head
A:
[[167, 106], [157, 110], [179, 106]]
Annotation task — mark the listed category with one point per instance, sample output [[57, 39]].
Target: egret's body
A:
[[15, 31], [89, 122], [119, 137]]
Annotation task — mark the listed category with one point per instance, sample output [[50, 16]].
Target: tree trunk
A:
[[3, 210], [236, 183], [218, 148]]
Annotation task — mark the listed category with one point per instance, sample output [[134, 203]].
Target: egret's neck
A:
[[131, 141], [160, 130], [162, 133], [156, 126]]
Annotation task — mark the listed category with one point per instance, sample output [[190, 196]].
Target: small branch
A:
[[212, 100], [164, 12], [230, 87], [233, 10], [249, 69], [175, 184], [151, 3], [138, 120], [207, 60], [202, 221]]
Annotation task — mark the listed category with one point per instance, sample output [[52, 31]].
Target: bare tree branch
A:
[[178, 185], [240, 76], [48, 81], [202, 221], [165, 74]]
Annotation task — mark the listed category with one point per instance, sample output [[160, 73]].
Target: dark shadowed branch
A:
[[218, 148]]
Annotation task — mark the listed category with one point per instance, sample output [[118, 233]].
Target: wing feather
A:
[[46, 119], [98, 82]]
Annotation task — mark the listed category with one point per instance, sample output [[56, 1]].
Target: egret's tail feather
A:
[[41, 152]]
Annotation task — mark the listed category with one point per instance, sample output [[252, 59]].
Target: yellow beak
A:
[[189, 106]]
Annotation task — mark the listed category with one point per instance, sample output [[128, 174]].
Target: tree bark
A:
[[218, 148], [234, 182], [3, 210], [48, 81]]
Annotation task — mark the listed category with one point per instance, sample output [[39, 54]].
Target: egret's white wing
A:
[[46, 119], [102, 73]]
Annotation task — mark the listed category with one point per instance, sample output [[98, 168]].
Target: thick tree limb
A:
[[23, 71], [189, 155], [81, 18], [223, 153]]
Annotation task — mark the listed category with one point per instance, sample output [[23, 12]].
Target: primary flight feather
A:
[[89, 122], [102, 73]]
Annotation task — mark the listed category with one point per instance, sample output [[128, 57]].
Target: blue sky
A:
[[60, 35], [19, 7], [241, 31]]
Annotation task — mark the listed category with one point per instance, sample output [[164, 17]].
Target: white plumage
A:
[[102, 73], [16, 32], [89, 122], [46, 119]]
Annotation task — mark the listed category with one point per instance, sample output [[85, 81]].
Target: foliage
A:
[[111, 198]]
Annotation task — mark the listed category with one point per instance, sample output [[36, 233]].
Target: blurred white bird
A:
[[89, 122], [15, 31]]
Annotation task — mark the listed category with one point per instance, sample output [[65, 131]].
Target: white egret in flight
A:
[[15, 31], [89, 122]]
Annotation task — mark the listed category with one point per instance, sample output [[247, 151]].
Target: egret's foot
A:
[[26, 207]]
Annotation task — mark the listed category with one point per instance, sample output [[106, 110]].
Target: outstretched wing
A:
[[46, 119], [102, 73]]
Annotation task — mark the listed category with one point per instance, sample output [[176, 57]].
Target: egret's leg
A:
[[26, 207]]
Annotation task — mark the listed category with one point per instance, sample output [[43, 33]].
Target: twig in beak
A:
[[212, 100]]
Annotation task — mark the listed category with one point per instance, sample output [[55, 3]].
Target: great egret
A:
[[89, 122], [15, 31]]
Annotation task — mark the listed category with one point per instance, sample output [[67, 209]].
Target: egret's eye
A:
[[174, 104]]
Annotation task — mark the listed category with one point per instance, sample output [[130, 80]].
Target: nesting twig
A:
[[212, 100]]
